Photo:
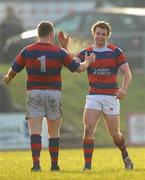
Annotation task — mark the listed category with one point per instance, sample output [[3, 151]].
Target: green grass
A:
[[74, 90], [107, 165]]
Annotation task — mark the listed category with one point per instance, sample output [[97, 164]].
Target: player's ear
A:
[[52, 34]]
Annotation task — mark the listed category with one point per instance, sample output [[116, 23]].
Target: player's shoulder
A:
[[87, 49], [114, 47], [30, 46], [42, 46], [56, 47]]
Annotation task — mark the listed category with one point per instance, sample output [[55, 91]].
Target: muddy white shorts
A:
[[107, 104], [45, 103]]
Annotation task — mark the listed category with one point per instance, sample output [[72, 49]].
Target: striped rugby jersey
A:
[[102, 74], [43, 63]]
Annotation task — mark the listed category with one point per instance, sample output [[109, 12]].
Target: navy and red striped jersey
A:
[[102, 74], [43, 63]]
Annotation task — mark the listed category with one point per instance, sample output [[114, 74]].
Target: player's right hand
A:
[[6, 79], [90, 58], [63, 40]]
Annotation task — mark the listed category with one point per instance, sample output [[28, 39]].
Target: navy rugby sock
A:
[[36, 149], [53, 148]]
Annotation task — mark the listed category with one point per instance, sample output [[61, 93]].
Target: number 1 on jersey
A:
[[42, 60]]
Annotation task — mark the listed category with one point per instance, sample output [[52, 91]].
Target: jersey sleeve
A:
[[121, 58], [69, 61], [19, 62], [81, 56]]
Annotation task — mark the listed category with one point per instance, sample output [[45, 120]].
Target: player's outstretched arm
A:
[[63, 41], [89, 59], [9, 76]]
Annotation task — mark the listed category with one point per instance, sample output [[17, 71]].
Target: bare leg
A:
[[35, 125], [113, 125], [90, 120]]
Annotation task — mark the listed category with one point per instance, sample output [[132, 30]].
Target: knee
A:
[[117, 136], [88, 131]]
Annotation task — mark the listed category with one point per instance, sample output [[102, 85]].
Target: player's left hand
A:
[[63, 40], [120, 93]]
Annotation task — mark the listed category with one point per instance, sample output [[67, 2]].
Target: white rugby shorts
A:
[[45, 103], [105, 103]]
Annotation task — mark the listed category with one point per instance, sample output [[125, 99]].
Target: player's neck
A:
[[100, 46], [46, 40]]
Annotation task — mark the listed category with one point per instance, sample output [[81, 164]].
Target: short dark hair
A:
[[44, 28], [103, 25]]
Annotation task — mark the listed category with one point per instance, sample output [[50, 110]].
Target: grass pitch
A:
[[107, 165]]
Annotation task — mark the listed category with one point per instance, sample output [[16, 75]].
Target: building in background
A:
[[121, 3], [31, 12], [17, 16]]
